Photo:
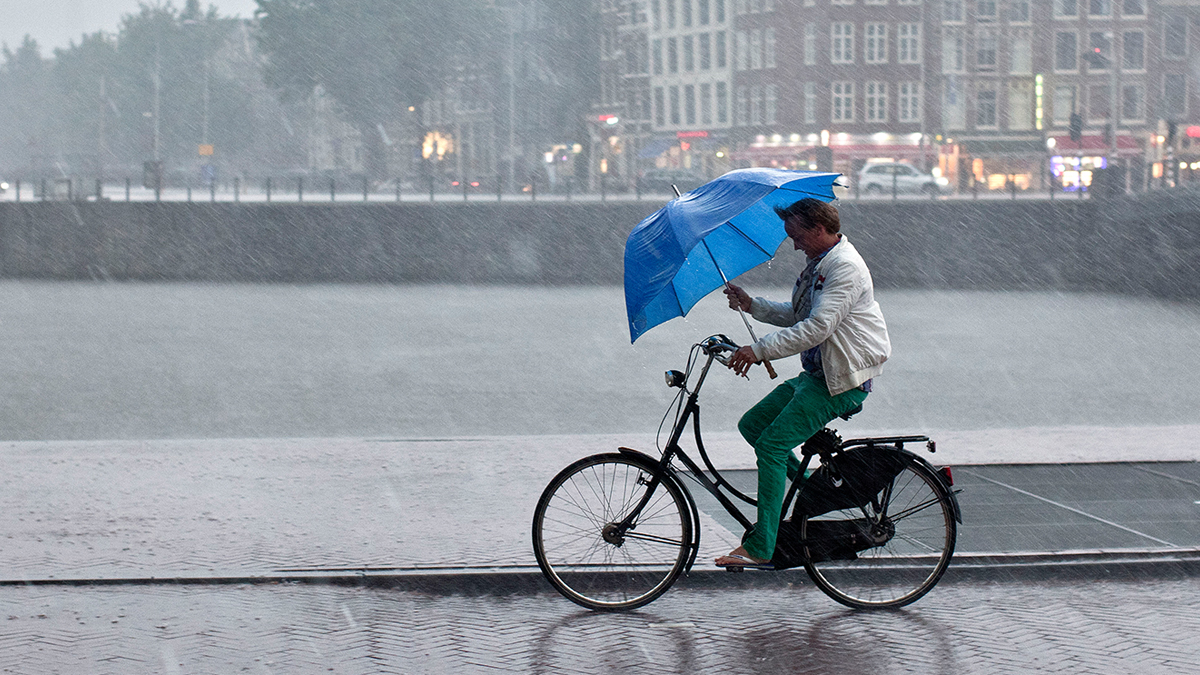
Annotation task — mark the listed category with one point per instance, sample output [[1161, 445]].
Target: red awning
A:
[[1127, 146]]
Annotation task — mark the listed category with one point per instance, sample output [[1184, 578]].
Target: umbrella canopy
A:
[[672, 257]]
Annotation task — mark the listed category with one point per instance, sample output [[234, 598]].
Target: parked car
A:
[[661, 180], [880, 178]]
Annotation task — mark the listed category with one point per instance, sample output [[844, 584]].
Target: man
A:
[[836, 326]]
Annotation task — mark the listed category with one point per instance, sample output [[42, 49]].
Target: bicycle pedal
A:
[[735, 570]]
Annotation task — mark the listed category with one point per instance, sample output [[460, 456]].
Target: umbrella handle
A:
[[770, 370]]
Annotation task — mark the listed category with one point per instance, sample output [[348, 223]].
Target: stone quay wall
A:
[[1147, 246]]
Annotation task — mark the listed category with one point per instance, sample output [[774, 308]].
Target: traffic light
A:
[[1076, 127]]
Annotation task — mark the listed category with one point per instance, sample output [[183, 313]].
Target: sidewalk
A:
[[112, 511]]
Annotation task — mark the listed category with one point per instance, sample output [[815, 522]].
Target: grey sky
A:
[[55, 23]]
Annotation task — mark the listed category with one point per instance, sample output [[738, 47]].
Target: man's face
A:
[[804, 238]]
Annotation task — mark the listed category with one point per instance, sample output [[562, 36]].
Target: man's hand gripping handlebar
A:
[[738, 359]]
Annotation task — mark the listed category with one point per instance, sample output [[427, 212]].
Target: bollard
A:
[[603, 187], [893, 184], [300, 189], [237, 189], [332, 190], [189, 194], [99, 190], [397, 188], [637, 189], [126, 189], [465, 185], [17, 194], [974, 188], [43, 189], [533, 190], [499, 186], [430, 187], [268, 190], [212, 191], [365, 186], [570, 188]]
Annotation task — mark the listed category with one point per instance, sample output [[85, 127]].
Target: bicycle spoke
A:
[[648, 537]]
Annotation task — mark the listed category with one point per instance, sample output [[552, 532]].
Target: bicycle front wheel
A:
[[911, 539], [580, 551]]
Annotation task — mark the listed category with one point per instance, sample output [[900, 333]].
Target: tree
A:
[[374, 57], [24, 129]]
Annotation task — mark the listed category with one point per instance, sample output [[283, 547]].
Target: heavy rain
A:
[[307, 304]]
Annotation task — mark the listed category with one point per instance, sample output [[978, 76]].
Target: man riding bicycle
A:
[[836, 326]]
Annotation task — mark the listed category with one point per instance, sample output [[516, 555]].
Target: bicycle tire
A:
[[908, 563], [569, 542]]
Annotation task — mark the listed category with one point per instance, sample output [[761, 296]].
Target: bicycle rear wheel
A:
[[911, 544], [579, 552]]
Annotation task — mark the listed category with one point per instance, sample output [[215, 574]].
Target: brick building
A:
[[980, 91]]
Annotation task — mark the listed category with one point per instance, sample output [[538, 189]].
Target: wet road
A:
[[131, 361], [1143, 626]]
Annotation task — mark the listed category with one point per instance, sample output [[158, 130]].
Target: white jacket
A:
[[845, 320]]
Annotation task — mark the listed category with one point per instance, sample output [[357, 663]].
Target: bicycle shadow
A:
[[616, 642]]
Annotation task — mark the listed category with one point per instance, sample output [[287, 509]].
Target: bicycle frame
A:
[[691, 411]]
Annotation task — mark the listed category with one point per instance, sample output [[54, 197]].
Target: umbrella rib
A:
[[747, 237]]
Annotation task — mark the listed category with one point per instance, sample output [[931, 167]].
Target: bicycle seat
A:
[[851, 413]]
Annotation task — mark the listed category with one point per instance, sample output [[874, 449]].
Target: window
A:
[[1098, 102], [810, 44], [1065, 8], [952, 11], [1132, 102], [954, 47], [689, 53], [702, 9], [1174, 36], [719, 47], [689, 104], [876, 97], [985, 106], [705, 51], [670, 13], [1018, 11], [657, 52], [1133, 8], [1174, 98], [874, 2], [1020, 105], [659, 107], [842, 47], [741, 55], [954, 104], [875, 39], [910, 101], [687, 13], [758, 105], [908, 2], [769, 48], [843, 101], [741, 107], [656, 13], [842, 2], [985, 10], [1020, 60], [673, 94], [985, 49], [771, 93], [672, 55], [722, 102], [1099, 51], [1065, 52], [706, 117], [720, 11], [756, 51], [1100, 7], [908, 37], [1064, 105], [810, 102], [1133, 50]]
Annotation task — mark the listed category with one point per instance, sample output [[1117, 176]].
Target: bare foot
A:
[[738, 557]]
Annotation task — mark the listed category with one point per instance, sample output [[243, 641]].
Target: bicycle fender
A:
[[952, 494]]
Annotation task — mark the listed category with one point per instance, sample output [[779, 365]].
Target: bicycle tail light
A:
[[675, 378], [946, 475]]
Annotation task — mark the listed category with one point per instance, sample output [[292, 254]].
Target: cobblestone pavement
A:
[[1079, 627]]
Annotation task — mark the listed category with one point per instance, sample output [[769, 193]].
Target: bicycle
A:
[[874, 525]]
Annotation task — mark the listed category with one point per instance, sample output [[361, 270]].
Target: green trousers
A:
[[785, 418]]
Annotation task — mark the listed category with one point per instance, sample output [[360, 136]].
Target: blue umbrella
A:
[[695, 243]]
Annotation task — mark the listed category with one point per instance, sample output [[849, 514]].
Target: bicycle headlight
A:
[[675, 378]]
